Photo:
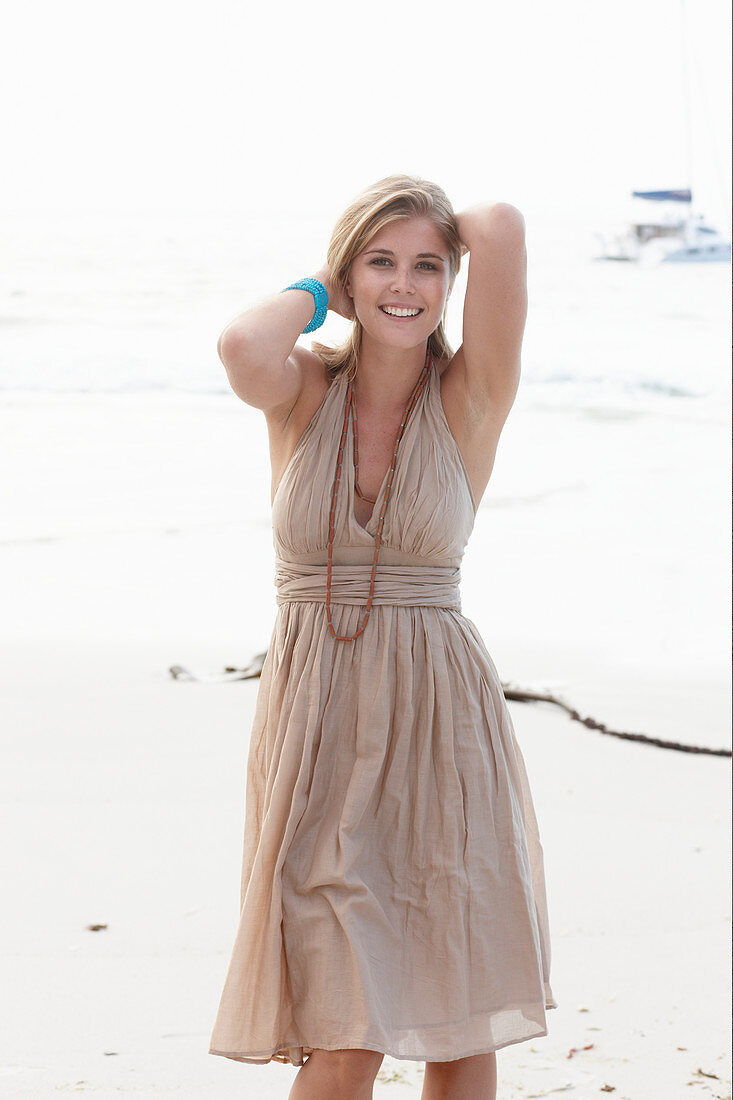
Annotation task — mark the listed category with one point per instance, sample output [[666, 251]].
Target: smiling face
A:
[[405, 267]]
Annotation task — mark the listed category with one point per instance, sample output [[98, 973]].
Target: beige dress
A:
[[393, 894]]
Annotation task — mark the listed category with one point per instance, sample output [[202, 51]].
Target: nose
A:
[[401, 281]]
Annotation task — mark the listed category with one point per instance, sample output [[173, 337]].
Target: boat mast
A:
[[687, 101]]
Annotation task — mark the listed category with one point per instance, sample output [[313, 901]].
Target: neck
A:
[[386, 376]]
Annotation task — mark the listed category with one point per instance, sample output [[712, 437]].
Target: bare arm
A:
[[495, 306], [257, 346]]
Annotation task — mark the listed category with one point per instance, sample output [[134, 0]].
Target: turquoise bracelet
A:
[[320, 295]]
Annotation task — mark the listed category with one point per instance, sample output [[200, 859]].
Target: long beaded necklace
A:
[[350, 406]]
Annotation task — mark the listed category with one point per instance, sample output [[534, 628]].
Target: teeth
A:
[[400, 312]]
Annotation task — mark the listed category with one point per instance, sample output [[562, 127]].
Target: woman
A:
[[393, 895]]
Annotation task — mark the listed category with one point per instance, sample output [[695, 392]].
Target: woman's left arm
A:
[[495, 305]]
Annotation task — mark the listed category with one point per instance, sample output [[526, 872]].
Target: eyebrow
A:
[[420, 255]]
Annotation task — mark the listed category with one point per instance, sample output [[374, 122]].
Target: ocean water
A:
[[126, 303]]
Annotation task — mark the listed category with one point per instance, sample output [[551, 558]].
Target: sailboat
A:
[[663, 226], [671, 233]]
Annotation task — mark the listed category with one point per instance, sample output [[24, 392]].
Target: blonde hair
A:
[[388, 200]]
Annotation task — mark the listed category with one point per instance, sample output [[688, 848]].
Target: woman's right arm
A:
[[256, 347]]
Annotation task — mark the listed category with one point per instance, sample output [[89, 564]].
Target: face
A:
[[393, 271]]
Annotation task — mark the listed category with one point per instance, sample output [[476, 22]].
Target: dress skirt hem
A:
[[295, 1054]]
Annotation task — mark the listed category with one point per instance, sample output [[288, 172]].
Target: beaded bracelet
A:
[[320, 296]]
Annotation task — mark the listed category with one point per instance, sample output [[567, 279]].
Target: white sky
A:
[[163, 104]]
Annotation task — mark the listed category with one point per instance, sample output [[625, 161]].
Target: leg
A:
[[337, 1075], [471, 1078]]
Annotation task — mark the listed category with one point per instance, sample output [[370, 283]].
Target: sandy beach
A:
[[123, 789], [171, 166], [135, 535]]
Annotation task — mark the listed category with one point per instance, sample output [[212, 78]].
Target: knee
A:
[[349, 1068], [471, 1076]]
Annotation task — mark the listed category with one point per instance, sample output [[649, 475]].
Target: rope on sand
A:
[[521, 695]]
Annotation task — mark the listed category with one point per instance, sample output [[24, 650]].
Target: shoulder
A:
[[472, 409], [313, 381], [286, 426], [316, 381], [314, 371], [474, 424], [475, 421]]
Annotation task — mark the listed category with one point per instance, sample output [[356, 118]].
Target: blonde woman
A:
[[393, 897]]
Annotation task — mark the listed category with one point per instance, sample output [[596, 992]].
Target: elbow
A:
[[508, 213], [235, 349], [505, 222], [230, 346]]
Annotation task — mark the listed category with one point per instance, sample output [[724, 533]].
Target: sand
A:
[[136, 536]]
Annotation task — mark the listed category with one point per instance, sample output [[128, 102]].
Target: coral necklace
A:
[[349, 407]]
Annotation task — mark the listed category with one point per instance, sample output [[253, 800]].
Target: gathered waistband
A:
[[430, 585]]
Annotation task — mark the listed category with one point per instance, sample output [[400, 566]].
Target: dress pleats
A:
[[393, 894]]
